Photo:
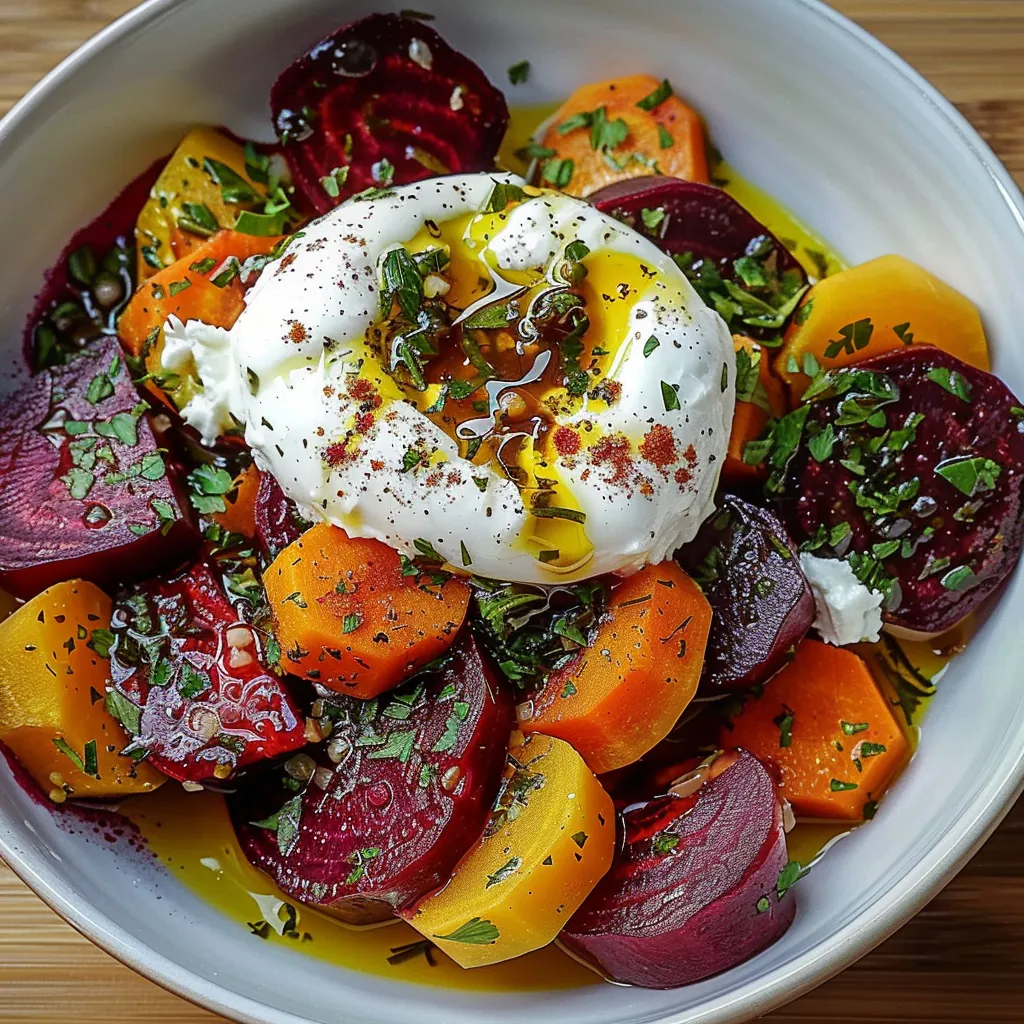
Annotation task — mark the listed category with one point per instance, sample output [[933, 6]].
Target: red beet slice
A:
[[406, 787], [694, 890], [707, 231], [85, 488], [276, 517], [747, 566], [191, 680], [933, 517], [386, 88]]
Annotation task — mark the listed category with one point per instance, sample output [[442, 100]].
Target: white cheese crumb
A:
[[456, 102], [847, 611]]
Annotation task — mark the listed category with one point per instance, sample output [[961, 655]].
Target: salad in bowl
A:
[[516, 531]]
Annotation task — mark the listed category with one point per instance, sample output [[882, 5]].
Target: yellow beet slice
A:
[[878, 306], [186, 205], [53, 683], [549, 841]]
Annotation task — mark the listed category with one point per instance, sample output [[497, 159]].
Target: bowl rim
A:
[[851, 941]]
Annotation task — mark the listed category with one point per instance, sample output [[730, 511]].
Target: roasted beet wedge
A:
[[918, 483], [276, 518], [191, 680], [695, 888], [719, 245], [749, 571], [386, 809], [85, 488], [384, 100]]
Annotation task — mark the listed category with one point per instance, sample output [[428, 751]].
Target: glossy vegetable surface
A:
[[347, 615], [379, 816], [749, 570], [623, 694], [621, 129], [549, 839], [885, 304], [86, 487], [823, 723], [203, 285], [759, 396], [695, 889], [738, 267], [194, 682], [53, 697], [201, 189], [383, 101], [911, 463]]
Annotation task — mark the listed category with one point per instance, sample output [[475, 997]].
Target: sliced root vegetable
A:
[[548, 841], [193, 683], [622, 129], [204, 285], [910, 466], [53, 697], [622, 695], [759, 397], [385, 100], [86, 489], [823, 724], [348, 616], [239, 515], [276, 519], [888, 303], [735, 263], [749, 570], [695, 889], [202, 188], [379, 816]]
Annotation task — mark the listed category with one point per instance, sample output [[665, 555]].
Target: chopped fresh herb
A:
[[670, 396], [785, 724], [852, 728], [952, 381], [665, 843], [64, 747], [177, 287], [519, 72], [476, 932], [286, 824], [821, 444], [852, 338], [557, 172], [350, 623], [399, 745], [970, 475], [650, 345], [127, 713], [960, 578], [655, 99], [665, 140], [501, 195], [788, 877], [234, 189], [401, 280], [506, 871], [203, 266], [838, 786], [198, 219]]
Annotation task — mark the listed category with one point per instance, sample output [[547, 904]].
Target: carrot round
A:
[[347, 614], [828, 730], [759, 396], [204, 285], [239, 515], [876, 307], [623, 128], [624, 694]]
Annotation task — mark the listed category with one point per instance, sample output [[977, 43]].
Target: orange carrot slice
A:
[[347, 616], [622, 696], [759, 397], [623, 128], [826, 727]]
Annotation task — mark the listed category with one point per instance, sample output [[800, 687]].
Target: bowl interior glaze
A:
[[802, 103]]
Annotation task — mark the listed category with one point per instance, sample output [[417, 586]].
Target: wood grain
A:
[[962, 959]]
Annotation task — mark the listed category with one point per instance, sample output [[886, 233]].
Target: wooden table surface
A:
[[962, 959]]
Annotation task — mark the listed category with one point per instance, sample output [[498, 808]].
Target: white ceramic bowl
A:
[[805, 104]]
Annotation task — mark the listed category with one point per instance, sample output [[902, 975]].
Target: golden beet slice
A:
[[53, 696], [550, 838]]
